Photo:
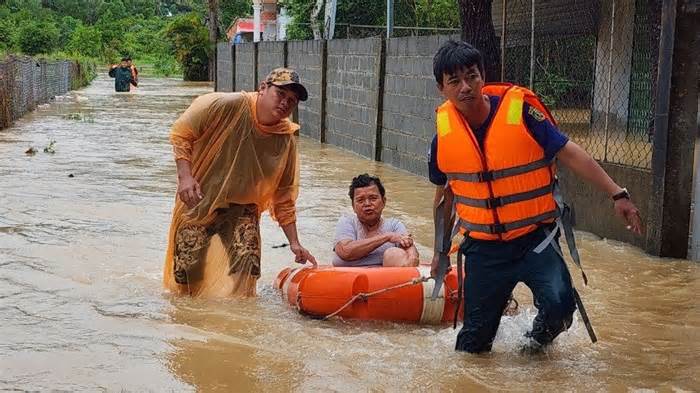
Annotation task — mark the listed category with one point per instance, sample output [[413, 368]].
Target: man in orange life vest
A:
[[493, 158]]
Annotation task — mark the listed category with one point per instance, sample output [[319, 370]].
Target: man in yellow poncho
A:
[[236, 157]]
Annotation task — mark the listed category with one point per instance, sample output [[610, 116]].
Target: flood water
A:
[[83, 308]]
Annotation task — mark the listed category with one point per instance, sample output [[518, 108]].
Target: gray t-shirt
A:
[[350, 228]]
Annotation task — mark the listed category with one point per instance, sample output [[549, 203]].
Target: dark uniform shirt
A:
[[122, 78]]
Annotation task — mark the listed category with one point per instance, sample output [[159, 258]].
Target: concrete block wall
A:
[[370, 81], [593, 209], [270, 56], [307, 58], [352, 89], [224, 67], [245, 67], [410, 99]]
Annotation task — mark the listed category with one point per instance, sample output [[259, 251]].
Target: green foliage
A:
[[6, 33], [232, 9], [66, 26], [300, 13], [425, 13], [166, 66], [437, 13], [86, 41], [190, 44], [106, 30], [38, 37], [85, 72]]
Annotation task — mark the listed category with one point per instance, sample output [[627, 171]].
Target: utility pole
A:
[[389, 18], [329, 25], [675, 130], [478, 30], [213, 6], [257, 7]]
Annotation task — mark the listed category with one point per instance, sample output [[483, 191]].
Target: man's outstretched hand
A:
[[626, 210], [302, 255]]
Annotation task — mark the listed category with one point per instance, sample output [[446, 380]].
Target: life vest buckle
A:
[[498, 228], [493, 203], [485, 176]]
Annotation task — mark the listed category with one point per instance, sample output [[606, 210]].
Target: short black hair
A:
[[365, 180], [125, 58], [454, 56]]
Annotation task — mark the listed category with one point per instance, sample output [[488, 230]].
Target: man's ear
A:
[[263, 86], [440, 88]]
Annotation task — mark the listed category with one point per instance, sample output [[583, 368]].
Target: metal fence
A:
[[26, 83], [594, 65], [593, 62], [343, 30], [347, 30]]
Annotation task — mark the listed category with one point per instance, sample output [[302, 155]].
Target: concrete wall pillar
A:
[[257, 8], [675, 130]]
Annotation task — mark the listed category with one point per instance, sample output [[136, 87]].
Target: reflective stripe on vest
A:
[[504, 191]]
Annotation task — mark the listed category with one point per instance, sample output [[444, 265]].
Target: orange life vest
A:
[[504, 191]]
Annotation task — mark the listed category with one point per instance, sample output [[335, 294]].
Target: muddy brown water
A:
[[83, 309]]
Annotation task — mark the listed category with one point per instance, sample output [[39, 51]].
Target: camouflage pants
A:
[[239, 229]]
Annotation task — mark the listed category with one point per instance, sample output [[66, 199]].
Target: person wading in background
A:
[[122, 76], [134, 71]]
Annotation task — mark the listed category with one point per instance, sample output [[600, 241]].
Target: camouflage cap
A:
[[287, 77]]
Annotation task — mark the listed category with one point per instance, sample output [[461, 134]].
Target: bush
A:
[[67, 25], [86, 72], [189, 41], [38, 37], [6, 30], [166, 66], [86, 41]]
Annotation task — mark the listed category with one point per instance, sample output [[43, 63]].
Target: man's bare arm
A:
[[352, 250], [585, 167], [413, 254]]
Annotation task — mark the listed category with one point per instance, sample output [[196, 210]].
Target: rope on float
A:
[[364, 296]]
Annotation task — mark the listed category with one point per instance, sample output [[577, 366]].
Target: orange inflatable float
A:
[[401, 294]]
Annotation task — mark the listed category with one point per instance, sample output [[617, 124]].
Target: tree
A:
[[305, 15], [232, 9], [213, 22], [478, 30], [38, 37], [437, 13], [86, 41], [189, 40], [6, 30], [315, 24], [67, 26]]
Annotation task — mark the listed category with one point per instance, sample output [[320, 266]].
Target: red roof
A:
[[246, 26]]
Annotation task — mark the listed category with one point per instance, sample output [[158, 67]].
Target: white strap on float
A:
[[432, 308], [285, 286]]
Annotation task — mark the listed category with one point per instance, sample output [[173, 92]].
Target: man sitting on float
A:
[[367, 239]]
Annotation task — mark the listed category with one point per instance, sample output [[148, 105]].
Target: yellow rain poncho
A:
[[237, 161]]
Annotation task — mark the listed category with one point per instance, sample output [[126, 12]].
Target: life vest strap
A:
[[492, 203], [507, 227], [486, 176]]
